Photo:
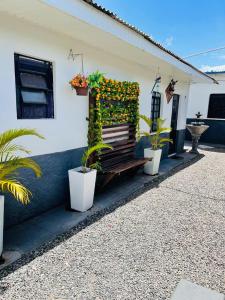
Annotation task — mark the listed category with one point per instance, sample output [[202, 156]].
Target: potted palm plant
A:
[[157, 143], [82, 180], [10, 163]]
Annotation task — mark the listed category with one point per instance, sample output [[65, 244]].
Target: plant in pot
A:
[[157, 143], [82, 180], [10, 163], [80, 84]]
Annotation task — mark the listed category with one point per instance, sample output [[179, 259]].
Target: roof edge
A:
[[145, 36], [215, 72]]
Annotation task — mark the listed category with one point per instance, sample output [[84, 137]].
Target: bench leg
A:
[[133, 171], [107, 179]]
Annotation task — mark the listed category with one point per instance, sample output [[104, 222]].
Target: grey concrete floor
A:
[[174, 231], [187, 290]]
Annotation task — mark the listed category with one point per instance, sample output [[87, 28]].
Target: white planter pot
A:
[[1, 223], [152, 167], [82, 189]]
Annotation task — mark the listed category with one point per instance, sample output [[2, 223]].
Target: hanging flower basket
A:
[[81, 91], [80, 84]]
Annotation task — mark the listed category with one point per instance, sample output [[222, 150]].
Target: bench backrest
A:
[[122, 138]]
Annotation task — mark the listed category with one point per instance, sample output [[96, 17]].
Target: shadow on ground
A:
[[212, 148], [26, 258]]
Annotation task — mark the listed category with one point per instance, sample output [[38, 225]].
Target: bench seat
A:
[[122, 157], [124, 166]]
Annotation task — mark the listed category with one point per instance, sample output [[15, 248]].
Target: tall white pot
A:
[[82, 188], [152, 167], [1, 223]]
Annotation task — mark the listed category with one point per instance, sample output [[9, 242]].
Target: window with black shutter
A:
[[34, 88], [155, 109], [216, 106]]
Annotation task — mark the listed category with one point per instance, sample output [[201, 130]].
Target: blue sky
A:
[[183, 26]]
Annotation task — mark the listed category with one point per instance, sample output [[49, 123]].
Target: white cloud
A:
[[169, 41], [206, 68]]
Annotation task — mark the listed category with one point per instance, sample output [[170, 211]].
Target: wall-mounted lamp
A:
[[157, 85]]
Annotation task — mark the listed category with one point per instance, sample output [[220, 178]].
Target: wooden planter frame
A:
[[122, 137]]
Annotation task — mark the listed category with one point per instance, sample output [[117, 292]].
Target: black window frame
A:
[[155, 109], [216, 107], [37, 67]]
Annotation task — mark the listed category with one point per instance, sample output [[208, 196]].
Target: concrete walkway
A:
[[187, 290], [141, 250]]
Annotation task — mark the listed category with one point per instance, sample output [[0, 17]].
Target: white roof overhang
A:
[[79, 20]]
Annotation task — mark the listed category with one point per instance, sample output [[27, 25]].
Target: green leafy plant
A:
[[11, 162], [155, 138], [94, 79], [87, 154]]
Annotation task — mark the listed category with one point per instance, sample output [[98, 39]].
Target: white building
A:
[[202, 94], [209, 100], [40, 34]]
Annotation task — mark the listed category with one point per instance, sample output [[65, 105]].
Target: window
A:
[[34, 88], [216, 106], [155, 109]]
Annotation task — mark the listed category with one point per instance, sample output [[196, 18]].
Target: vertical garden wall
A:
[[112, 103]]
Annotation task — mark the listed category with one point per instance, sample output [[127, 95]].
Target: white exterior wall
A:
[[68, 130], [200, 94]]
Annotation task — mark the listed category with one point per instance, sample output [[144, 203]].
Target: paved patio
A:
[[141, 250]]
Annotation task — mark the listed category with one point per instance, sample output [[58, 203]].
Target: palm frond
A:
[[91, 150], [166, 140], [145, 133], [12, 134], [10, 163], [164, 130], [21, 193], [147, 120], [96, 165], [7, 151], [160, 122], [11, 166], [155, 138]]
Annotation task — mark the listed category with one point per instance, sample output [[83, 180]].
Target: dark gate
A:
[[174, 118]]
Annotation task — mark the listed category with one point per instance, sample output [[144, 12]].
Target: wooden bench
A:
[[122, 158]]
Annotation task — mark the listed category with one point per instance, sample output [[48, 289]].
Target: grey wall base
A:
[[52, 189], [215, 134], [49, 191]]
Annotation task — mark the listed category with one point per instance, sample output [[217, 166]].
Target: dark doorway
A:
[[174, 117]]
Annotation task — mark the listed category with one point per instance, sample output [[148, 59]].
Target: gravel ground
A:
[[143, 249]]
